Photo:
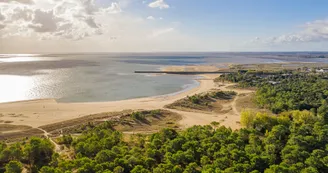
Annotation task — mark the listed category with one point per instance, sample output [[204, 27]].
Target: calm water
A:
[[100, 77]]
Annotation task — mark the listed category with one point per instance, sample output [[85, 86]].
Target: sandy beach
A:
[[37, 113]]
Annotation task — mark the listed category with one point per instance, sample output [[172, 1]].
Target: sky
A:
[[61, 26]]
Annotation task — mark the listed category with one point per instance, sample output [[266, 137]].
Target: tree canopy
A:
[[294, 141]]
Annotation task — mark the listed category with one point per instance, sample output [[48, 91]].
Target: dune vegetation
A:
[[202, 101]]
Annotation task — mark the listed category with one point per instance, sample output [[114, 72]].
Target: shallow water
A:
[[99, 77]]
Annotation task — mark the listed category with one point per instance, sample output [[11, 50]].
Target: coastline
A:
[[40, 112]]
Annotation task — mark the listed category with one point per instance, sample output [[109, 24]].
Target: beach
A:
[[36, 113]]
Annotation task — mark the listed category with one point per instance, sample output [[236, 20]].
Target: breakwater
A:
[[186, 72]]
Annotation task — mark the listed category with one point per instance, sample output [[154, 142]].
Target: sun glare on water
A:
[[7, 58], [20, 59], [15, 88]]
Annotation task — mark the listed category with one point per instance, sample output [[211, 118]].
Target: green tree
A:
[[323, 111], [191, 168], [14, 167], [118, 169], [309, 170], [47, 169], [139, 169], [39, 152], [247, 118]]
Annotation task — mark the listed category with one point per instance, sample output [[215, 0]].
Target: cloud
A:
[[44, 21], [160, 32], [22, 13], [55, 19], [254, 40], [113, 9], [83, 25], [159, 4], [315, 31], [19, 1], [2, 26], [91, 22], [2, 17], [151, 18]]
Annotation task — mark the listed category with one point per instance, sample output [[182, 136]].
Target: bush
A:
[[194, 99], [66, 140], [138, 116], [155, 112]]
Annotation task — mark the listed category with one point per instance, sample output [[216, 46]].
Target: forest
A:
[[285, 91], [293, 141]]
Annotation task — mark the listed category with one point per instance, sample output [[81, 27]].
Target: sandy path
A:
[[46, 134], [36, 113], [229, 119]]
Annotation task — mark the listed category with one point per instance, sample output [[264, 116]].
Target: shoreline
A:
[[40, 112]]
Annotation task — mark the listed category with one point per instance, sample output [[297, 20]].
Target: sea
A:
[[100, 77]]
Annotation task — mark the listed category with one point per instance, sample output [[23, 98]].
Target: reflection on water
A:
[[18, 55], [24, 59], [19, 59], [13, 88]]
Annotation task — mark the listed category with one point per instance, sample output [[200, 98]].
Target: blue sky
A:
[[246, 17], [164, 25]]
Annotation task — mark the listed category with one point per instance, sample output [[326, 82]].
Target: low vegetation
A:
[[148, 121], [20, 134], [203, 101], [127, 120]]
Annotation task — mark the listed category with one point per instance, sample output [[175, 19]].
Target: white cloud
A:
[[2, 17], [19, 1], [316, 31], [44, 21], [2, 26], [91, 22], [151, 18], [73, 19], [114, 8], [81, 25], [160, 32], [22, 13], [159, 4]]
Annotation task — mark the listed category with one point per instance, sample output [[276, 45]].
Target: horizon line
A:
[[163, 52]]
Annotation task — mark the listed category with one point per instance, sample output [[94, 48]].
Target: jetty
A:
[[185, 72]]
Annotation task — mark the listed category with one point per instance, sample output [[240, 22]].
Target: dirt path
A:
[[46, 134], [140, 132]]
